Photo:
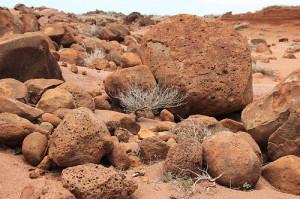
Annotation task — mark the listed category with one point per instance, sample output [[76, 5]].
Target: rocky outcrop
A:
[[91, 181], [31, 60], [80, 138], [271, 15], [203, 58]]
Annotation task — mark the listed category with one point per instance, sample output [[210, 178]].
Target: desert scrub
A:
[[139, 100], [88, 60]]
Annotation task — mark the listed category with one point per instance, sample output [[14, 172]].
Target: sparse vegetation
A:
[[88, 60], [246, 186], [139, 100]]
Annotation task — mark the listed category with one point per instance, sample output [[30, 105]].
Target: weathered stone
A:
[[90, 181], [145, 133], [13, 129], [80, 138], [230, 155], [34, 148], [130, 59], [13, 106], [31, 60], [14, 89], [276, 114], [81, 97], [36, 87], [284, 174], [44, 188], [10, 23], [153, 149], [124, 79], [54, 99], [51, 118], [186, 155], [197, 126], [166, 115], [203, 58], [233, 125]]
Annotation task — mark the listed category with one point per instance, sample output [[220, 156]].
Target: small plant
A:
[[140, 100], [246, 186], [88, 60], [186, 184]]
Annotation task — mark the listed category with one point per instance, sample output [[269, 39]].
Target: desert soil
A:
[[15, 170]]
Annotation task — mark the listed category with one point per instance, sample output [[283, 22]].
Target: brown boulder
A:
[[203, 58], [122, 134], [68, 38], [51, 118], [54, 31], [30, 22], [31, 60], [80, 138], [115, 56], [91, 181], [163, 126], [62, 112], [232, 156], [263, 48], [54, 99], [199, 127], [118, 157], [122, 80], [23, 110], [99, 64], [233, 125], [36, 87], [34, 148], [284, 174], [44, 188], [14, 89], [276, 114], [101, 103], [70, 56], [123, 121], [166, 115], [153, 149], [113, 32], [186, 155], [10, 23], [81, 97], [13, 129], [130, 60]]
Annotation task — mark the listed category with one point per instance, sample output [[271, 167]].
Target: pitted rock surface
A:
[[204, 58], [91, 181], [80, 138]]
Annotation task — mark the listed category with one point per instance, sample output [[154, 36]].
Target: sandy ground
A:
[[14, 172]]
